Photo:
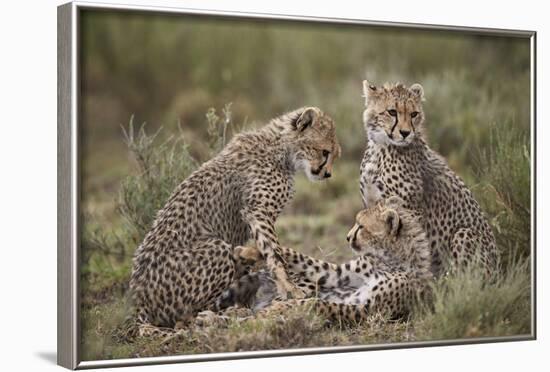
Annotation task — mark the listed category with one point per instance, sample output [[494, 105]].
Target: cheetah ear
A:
[[418, 91], [392, 222], [306, 119], [338, 151], [369, 90]]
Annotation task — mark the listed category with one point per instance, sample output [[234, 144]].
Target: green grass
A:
[[477, 112], [505, 188], [466, 304]]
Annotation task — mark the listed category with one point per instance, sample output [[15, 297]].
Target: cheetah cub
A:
[[390, 273], [186, 260], [399, 162]]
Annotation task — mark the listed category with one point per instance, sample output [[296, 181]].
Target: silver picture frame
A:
[[68, 188]]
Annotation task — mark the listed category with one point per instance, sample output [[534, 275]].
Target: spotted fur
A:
[[187, 258], [399, 162], [391, 271]]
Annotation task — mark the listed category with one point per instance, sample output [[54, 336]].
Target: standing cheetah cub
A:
[[186, 260], [398, 162]]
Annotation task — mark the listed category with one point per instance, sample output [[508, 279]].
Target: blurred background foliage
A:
[[194, 78]]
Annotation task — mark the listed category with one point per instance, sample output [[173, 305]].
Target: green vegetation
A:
[[467, 304], [174, 71]]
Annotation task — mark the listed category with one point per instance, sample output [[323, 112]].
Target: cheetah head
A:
[[376, 226], [316, 145], [393, 113]]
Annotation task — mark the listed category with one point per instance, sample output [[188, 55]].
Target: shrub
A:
[[162, 163], [160, 168], [505, 189], [468, 304]]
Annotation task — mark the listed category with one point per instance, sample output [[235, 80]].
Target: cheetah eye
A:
[[392, 113], [414, 114], [326, 153], [360, 226]]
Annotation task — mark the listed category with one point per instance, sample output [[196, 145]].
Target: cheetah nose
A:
[[348, 238], [328, 174], [405, 133]]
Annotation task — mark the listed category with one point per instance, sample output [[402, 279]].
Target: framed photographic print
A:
[[235, 185]]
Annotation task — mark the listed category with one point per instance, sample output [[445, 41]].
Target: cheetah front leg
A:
[[262, 229], [306, 266], [319, 272], [326, 274], [297, 263]]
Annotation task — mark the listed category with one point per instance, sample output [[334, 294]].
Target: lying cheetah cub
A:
[[399, 162], [392, 269], [186, 260]]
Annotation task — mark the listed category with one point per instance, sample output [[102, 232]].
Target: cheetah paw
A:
[[250, 254], [209, 318], [290, 291]]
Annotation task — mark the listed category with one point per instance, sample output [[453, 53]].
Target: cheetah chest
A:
[[385, 173]]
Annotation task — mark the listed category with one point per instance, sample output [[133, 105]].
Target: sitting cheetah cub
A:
[[398, 162], [391, 271], [186, 260]]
